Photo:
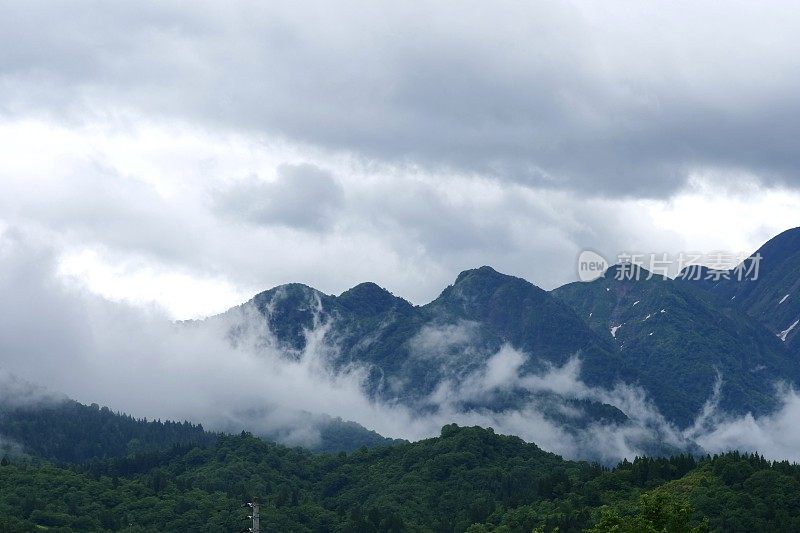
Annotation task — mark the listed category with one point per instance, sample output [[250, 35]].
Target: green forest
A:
[[468, 479]]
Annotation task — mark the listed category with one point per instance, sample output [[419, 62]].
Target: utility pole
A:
[[255, 506]]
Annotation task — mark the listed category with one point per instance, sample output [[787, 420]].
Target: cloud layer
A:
[[198, 221], [620, 99], [227, 149]]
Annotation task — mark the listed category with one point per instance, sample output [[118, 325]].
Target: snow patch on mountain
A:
[[783, 334]]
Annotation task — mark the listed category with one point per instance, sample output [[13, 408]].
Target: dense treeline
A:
[[337, 435], [469, 479], [70, 432]]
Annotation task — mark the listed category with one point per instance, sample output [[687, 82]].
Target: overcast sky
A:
[[189, 155]]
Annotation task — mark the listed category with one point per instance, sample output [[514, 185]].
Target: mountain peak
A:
[[367, 287], [485, 272], [699, 275], [779, 248], [370, 298], [630, 272], [287, 291], [694, 272], [481, 284]]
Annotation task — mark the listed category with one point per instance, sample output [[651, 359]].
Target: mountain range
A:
[[687, 343], [628, 347], [770, 296]]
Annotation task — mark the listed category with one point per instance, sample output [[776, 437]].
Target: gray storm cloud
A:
[[258, 143], [302, 196], [618, 99], [400, 143]]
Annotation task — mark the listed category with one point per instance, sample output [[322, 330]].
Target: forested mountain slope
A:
[[766, 286], [471, 320], [409, 351], [68, 431], [468, 479], [631, 331], [682, 340]]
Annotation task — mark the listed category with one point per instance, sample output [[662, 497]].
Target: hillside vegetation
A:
[[468, 479]]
